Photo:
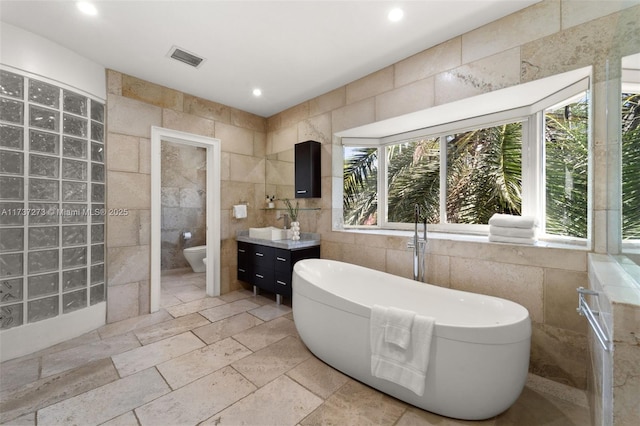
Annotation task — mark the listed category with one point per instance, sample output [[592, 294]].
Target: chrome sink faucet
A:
[[287, 222]]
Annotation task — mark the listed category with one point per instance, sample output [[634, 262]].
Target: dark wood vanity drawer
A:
[[263, 256], [283, 283], [264, 278], [244, 264], [282, 260], [244, 273]]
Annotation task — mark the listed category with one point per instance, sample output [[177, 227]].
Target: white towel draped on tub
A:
[[405, 366]]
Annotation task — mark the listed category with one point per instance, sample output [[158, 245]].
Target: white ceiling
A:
[[292, 50]]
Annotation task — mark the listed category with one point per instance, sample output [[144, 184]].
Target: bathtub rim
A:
[[506, 333]]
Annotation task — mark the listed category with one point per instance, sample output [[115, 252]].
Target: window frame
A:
[[533, 172], [630, 84]]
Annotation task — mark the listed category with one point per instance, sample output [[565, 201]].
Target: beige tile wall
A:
[[134, 106], [550, 37]]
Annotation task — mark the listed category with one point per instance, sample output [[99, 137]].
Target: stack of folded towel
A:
[[505, 228], [400, 346]]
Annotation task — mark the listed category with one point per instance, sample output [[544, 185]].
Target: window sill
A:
[[484, 239]]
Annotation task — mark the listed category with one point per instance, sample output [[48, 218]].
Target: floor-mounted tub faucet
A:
[[419, 246]]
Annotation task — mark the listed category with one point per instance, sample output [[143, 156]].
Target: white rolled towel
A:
[[512, 221], [512, 232], [511, 240]]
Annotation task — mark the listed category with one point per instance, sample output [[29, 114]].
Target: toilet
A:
[[196, 257]]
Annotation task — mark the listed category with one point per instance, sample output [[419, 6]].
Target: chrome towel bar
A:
[[585, 310]]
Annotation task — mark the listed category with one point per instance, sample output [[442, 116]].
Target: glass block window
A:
[[51, 177]]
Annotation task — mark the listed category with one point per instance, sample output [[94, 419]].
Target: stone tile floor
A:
[[229, 360]]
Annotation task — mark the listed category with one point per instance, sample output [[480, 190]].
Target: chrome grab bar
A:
[[585, 310]]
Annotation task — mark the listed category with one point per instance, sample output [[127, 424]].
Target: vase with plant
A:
[[293, 214]]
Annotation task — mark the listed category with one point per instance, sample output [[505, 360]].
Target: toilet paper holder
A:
[[186, 235]]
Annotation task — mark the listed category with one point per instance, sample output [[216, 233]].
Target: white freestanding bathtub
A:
[[479, 353]]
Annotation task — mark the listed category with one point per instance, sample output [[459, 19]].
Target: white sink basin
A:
[[270, 233]]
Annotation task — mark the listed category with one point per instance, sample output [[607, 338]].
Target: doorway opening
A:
[[176, 141]]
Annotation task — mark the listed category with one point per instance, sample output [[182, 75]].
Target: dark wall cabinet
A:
[[307, 169], [270, 268]]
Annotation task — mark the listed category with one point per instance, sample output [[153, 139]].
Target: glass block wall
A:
[[52, 194]]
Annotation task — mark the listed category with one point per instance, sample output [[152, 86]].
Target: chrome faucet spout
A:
[[285, 219], [419, 246]]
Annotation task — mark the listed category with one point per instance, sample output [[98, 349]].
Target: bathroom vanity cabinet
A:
[[307, 169], [271, 268]]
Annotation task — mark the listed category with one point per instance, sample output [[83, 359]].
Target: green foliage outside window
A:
[[566, 168], [483, 175]]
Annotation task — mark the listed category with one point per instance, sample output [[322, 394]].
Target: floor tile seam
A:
[[235, 402], [257, 388], [102, 386], [161, 340], [68, 372], [206, 375], [173, 319], [310, 390], [266, 346], [113, 418], [20, 386]]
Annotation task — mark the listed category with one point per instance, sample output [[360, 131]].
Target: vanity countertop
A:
[[307, 239]]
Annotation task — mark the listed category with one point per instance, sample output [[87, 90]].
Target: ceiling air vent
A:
[[184, 56]]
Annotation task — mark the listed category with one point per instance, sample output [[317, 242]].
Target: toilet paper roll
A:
[[186, 235], [240, 211]]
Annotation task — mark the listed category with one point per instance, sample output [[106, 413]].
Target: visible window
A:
[[535, 164], [630, 166], [484, 173], [360, 201], [413, 177], [566, 168]]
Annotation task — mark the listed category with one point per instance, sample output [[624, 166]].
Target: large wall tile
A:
[[353, 115], [123, 230], [128, 190], [606, 38], [371, 85], [206, 109], [482, 76], [576, 12], [291, 116], [406, 99], [243, 168], [235, 139], [560, 297], [317, 128], [429, 62], [514, 30], [150, 93], [521, 284], [123, 151], [187, 123], [123, 302], [131, 117], [329, 101], [127, 265], [560, 355], [248, 121], [282, 139]]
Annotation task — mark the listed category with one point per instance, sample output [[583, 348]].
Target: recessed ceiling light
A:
[[87, 8], [395, 14], [257, 92]]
